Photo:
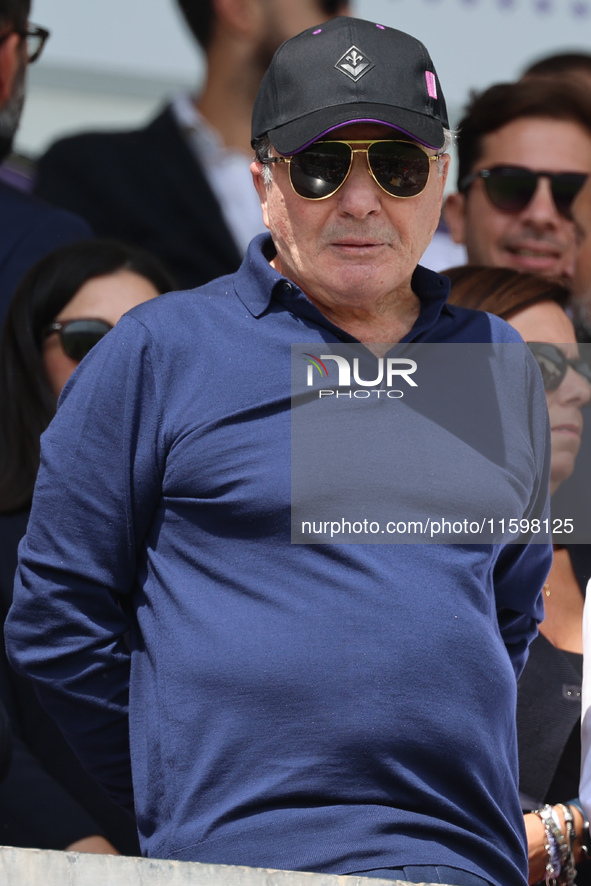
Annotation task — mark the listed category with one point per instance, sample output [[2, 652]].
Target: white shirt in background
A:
[[227, 171]]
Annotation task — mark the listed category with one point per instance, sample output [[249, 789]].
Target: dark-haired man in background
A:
[[561, 64], [524, 151], [29, 228], [181, 187], [574, 66]]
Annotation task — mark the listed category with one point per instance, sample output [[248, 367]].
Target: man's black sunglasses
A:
[[554, 364], [78, 337], [510, 188], [36, 38]]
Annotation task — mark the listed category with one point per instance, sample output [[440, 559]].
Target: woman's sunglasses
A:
[[553, 364], [78, 337], [510, 188], [400, 168]]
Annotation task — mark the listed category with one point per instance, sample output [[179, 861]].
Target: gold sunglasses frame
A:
[[377, 141]]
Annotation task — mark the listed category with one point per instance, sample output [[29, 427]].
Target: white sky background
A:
[[472, 42], [139, 36]]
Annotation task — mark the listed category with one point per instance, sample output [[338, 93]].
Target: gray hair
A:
[[262, 150]]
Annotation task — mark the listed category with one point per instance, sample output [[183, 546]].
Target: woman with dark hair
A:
[[549, 690], [92, 280], [502, 291], [62, 308]]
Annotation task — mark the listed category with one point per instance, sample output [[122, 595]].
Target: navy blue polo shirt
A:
[[331, 708]]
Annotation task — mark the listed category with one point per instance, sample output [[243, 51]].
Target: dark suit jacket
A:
[[144, 187], [29, 229]]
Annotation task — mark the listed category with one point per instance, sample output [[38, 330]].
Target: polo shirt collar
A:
[[255, 280], [257, 283]]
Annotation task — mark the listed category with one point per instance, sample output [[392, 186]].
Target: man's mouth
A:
[[534, 257], [571, 429], [355, 243], [543, 252]]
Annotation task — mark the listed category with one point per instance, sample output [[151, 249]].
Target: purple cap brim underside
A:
[[362, 120]]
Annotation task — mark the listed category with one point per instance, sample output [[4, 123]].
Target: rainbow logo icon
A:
[[315, 362]]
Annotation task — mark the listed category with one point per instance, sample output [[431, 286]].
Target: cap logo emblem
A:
[[354, 64]]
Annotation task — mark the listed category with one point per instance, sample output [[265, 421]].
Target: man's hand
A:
[[97, 845], [536, 839]]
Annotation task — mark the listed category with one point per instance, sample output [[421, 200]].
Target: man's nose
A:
[[575, 388], [360, 195], [541, 210]]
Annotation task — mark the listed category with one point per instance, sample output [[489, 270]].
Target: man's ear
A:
[[443, 170], [454, 213], [8, 66], [256, 169]]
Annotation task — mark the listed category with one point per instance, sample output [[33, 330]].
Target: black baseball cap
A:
[[344, 71]]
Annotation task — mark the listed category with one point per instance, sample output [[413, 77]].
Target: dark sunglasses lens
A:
[[511, 189], [80, 336], [583, 368], [400, 169], [564, 190], [510, 192], [34, 46], [318, 171], [552, 363]]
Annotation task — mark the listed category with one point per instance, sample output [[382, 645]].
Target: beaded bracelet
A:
[[586, 839], [560, 869], [585, 835], [554, 840], [569, 871]]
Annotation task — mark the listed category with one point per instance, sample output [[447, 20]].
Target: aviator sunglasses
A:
[[400, 168], [78, 337], [510, 188], [553, 364]]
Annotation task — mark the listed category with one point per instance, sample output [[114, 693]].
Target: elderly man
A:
[[524, 151], [339, 708], [29, 228]]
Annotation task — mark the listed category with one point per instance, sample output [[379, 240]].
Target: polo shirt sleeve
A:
[[98, 486], [522, 569], [520, 574]]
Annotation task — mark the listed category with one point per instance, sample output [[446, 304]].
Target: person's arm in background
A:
[[522, 569]]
